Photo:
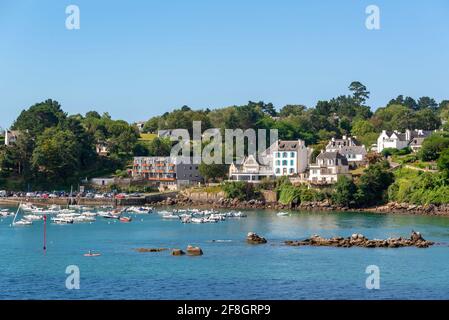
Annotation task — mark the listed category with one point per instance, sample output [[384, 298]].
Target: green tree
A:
[[344, 191], [359, 92], [40, 116], [432, 147], [443, 162], [213, 171], [57, 154], [372, 185]]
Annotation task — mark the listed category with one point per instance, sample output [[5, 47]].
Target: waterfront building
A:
[[350, 148], [169, 172], [398, 140], [290, 157], [328, 167], [251, 170]]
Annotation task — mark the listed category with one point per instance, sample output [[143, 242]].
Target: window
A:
[[278, 170], [291, 162], [278, 162], [292, 170], [284, 155], [292, 154], [278, 155], [284, 162]]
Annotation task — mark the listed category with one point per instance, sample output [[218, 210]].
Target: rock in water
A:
[[194, 251], [177, 252], [254, 238], [151, 249], [359, 240]]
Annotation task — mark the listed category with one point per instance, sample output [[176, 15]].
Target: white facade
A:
[[328, 167], [289, 157], [348, 147], [250, 170], [395, 140], [398, 140]]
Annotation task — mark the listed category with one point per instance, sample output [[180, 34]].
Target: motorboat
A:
[[170, 216], [59, 220], [197, 220], [22, 222], [90, 214], [282, 214], [83, 218], [28, 207], [32, 217], [125, 219]]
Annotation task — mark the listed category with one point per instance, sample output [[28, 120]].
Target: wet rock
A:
[[254, 238], [194, 251], [177, 252], [151, 249], [359, 240]]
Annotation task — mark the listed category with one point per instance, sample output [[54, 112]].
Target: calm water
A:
[[227, 270]]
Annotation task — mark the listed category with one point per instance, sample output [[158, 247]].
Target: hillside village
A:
[[339, 146]]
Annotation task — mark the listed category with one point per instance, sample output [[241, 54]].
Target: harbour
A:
[[229, 267]]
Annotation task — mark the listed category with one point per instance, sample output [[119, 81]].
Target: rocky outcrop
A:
[[426, 209], [194, 251], [359, 240], [187, 200], [254, 238], [150, 249], [177, 252]]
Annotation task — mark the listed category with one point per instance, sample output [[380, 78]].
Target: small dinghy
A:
[[91, 254]]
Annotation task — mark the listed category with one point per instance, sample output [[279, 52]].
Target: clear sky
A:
[[136, 59]]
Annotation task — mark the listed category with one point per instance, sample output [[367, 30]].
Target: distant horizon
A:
[[142, 60]]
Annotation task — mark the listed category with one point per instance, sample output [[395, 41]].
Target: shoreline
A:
[[183, 202]]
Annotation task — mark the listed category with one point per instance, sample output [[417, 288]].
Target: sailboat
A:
[[22, 222]]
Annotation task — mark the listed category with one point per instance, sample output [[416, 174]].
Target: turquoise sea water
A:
[[227, 270]]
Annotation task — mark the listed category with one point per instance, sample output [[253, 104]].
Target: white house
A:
[[250, 170], [350, 148], [398, 140], [328, 167], [289, 157]]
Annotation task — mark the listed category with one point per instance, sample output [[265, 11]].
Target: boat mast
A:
[[15, 216]]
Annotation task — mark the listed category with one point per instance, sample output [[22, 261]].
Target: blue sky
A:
[[135, 59]]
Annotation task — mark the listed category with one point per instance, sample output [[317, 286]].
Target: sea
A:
[[229, 268]]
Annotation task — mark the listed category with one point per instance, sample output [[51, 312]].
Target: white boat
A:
[[281, 214], [83, 218], [28, 207], [186, 219], [170, 217], [32, 217], [23, 223], [139, 210], [58, 220], [197, 220], [90, 214]]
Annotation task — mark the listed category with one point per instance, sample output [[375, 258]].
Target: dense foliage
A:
[[55, 148]]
